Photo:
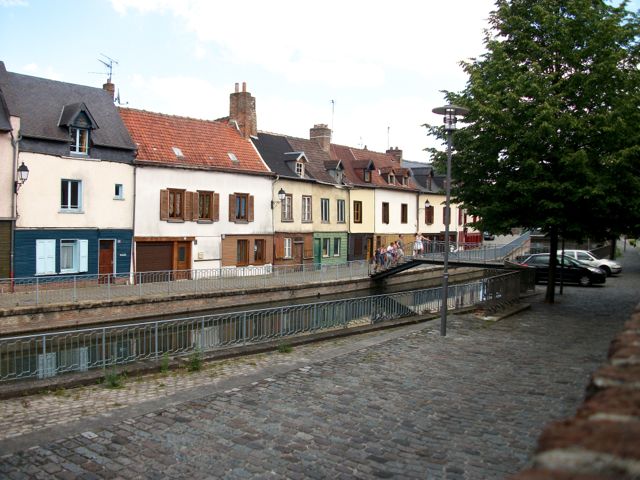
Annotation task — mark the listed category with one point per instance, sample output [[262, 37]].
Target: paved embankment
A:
[[405, 403]]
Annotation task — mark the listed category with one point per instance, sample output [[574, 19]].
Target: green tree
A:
[[552, 134]]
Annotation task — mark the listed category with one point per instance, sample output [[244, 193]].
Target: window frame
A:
[[68, 207], [404, 213], [385, 213], [79, 255], [259, 253], [367, 175], [173, 195], [429, 215], [307, 210], [340, 210], [240, 197], [79, 141], [357, 211], [202, 196], [325, 213], [337, 243], [300, 169], [242, 242], [326, 247], [288, 247], [286, 208], [118, 193]]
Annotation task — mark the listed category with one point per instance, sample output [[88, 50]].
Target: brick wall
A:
[[603, 439]]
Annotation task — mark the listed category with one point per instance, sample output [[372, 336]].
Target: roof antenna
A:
[[388, 147], [333, 106], [108, 64]]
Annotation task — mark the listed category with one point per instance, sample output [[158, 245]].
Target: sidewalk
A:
[[405, 403]]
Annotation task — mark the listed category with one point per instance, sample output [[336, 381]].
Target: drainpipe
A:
[[132, 266], [273, 223], [15, 143]]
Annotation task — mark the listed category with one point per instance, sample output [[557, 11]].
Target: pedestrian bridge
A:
[[491, 256]]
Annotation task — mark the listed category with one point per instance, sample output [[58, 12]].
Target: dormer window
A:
[[367, 175], [300, 169], [391, 179], [79, 140]]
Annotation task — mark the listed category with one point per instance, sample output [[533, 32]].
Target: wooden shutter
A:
[[164, 204], [308, 246], [45, 256], [83, 247], [195, 202], [232, 207], [216, 207], [188, 206], [279, 247], [250, 208]]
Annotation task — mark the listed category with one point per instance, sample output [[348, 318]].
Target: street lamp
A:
[[23, 175], [450, 113], [281, 196]]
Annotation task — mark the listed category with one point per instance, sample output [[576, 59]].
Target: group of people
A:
[[390, 255]]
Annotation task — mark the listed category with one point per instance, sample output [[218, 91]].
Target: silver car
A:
[[608, 266]]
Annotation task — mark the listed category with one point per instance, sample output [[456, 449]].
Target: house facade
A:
[[203, 195], [74, 215]]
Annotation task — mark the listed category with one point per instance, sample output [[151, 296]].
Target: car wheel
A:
[[606, 270], [585, 281]]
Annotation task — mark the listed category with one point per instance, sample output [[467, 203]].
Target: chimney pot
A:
[[321, 134], [242, 109], [244, 86], [111, 88], [237, 87]]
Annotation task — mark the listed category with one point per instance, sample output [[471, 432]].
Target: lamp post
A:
[[281, 196], [450, 113], [23, 175]]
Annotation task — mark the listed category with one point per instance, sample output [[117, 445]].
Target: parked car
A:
[[572, 271], [488, 236], [609, 266]]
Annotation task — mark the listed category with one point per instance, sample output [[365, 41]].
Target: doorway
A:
[[106, 261]]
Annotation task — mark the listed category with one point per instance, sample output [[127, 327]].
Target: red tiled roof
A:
[[203, 143], [355, 159]]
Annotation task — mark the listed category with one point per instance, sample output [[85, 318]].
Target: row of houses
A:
[[117, 190]]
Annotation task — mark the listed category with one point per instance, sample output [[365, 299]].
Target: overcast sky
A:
[[383, 63]]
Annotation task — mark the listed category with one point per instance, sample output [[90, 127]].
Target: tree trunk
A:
[[612, 252], [553, 261]]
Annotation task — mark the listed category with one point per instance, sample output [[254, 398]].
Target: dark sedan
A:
[[573, 271]]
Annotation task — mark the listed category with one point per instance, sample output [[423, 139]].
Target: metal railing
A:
[[57, 289], [47, 354]]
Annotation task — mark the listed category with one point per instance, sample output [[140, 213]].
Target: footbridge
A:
[[483, 256]]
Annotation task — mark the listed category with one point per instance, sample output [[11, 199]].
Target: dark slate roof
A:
[[276, 151], [40, 102], [316, 157], [421, 173], [5, 124], [71, 112]]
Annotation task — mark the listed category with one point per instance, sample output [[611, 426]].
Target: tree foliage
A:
[[552, 134]]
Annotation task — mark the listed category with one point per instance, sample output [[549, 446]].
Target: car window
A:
[[540, 260], [584, 256]]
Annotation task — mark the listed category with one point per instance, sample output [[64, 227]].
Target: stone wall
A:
[[603, 439]]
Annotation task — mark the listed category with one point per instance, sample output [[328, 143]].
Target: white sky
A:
[[383, 63]]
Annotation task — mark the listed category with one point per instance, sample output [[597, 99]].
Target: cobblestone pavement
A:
[[405, 403]]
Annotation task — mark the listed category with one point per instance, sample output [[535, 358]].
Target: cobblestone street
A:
[[404, 403]]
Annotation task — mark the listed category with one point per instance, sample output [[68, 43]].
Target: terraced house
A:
[[74, 214], [203, 194]]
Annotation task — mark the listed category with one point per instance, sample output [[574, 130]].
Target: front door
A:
[[369, 252], [317, 250], [105, 262], [183, 260], [297, 253]]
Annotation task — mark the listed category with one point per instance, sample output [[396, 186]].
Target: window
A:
[[326, 245], [118, 193], [340, 211], [176, 204], [367, 175], [300, 169], [242, 253], [391, 179], [357, 211], [287, 208], [336, 247], [71, 195], [324, 210], [205, 205], [45, 257], [79, 140], [287, 248], [258, 251], [306, 208], [385, 212], [73, 256], [243, 207], [428, 215], [404, 213]]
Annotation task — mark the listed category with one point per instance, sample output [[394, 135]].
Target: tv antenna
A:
[[109, 62]]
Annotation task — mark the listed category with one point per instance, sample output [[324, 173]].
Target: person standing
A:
[[417, 244]]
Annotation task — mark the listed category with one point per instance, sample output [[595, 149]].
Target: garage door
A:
[[154, 257]]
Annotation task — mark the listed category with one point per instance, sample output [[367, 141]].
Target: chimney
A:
[[110, 87], [322, 136], [242, 109], [396, 153]]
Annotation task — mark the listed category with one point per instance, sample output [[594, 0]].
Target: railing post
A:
[[139, 285], [202, 334], [156, 339], [37, 291], [104, 348], [44, 355], [244, 328], [108, 285], [75, 292]]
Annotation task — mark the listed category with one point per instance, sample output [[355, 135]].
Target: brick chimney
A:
[[396, 153], [110, 87], [242, 109], [322, 136]]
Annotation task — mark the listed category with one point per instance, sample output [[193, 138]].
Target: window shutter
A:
[[45, 256], [216, 207], [164, 204], [232, 207], [308, 246], [188, 206], [195, 202], [250, 209], [279, 246], [84, 255]]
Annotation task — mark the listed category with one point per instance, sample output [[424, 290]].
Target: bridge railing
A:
[[53, 353]]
